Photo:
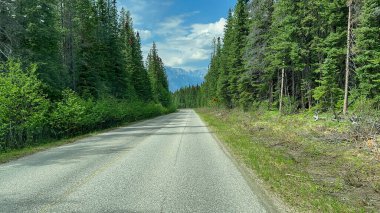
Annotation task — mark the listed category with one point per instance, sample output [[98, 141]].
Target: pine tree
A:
[[253, 84], [223, 91], [69, 47], [116, 73], [368, 50], [329, 93], [128, 42], [88, 76], [39, 41], [236, 52], [283, 50], [140, 78], [158, 78], [212, 77]]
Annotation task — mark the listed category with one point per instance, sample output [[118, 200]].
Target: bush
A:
[[365, 117], [27, 116], [68, 115], [23, 106], [74, 115]]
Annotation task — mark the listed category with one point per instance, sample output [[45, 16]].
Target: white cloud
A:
[[184, 46], [144, 34], [180, 42], [142, 10]]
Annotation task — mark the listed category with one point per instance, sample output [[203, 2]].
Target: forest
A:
[[294, 55], [293, 90], [69, 67]]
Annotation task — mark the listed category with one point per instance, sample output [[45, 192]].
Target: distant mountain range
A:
[[179, 78]]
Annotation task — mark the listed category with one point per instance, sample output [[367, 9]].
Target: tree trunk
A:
[[282, 88], [270, 93], [349, 45]]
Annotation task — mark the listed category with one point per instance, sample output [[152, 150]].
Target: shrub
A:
[[23, 106]]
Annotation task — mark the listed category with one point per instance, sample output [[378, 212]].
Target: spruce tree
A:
[[88, 76], [368, 50], [253, 84], [212, 77], [223, 91], [140, 78], [39, 41], [236, 51], [158, 78], [329, 93]]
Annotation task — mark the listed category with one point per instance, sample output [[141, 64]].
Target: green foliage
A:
[[39, 41], [368, 49], [88, 75], [74, 115], [190, 97], [158, 78], [307, 40], [23, 106]]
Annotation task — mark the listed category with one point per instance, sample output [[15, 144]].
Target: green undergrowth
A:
[[29, 117], [313, 165]]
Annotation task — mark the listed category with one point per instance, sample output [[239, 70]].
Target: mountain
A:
[[179, 78]]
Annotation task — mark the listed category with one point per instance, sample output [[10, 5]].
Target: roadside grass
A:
[[313, 166]]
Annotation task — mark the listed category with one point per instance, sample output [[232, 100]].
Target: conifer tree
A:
[[236, 52], [223, 91], [368, 50], [140, 78], [88, 76], [39, 41], [329, 93], [158, 78], [253, 84], [116, 73], [212, 77]]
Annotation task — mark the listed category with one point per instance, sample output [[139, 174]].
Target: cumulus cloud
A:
[[184, 45], [180, 41]]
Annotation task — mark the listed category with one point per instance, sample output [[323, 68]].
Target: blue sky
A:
[[182, 29]]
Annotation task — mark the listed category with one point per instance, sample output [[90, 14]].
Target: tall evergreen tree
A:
[[140, 78], [329, 93], [238, 43], [158, 78], [88, 76], [253, 84], [212, 77], [368, 50], [223, 91], [40, 39]]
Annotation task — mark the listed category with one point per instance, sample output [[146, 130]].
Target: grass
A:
[[312, 165]]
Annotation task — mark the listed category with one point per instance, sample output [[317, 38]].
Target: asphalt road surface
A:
[[168, 164]]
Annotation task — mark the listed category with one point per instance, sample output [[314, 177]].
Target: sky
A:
[[182, 29]]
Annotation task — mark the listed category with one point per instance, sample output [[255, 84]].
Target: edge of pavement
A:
[[271, 201]]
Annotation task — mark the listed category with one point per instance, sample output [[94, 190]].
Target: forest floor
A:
[[314, 166]]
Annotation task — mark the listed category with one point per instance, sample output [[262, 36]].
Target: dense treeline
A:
[[188, 97], [295, 55], [72, 66]]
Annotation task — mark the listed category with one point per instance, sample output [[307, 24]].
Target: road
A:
[[168, 164]]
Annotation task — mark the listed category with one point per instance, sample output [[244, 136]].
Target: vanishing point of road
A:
[[168, 164]]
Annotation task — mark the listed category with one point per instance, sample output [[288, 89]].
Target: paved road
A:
[[168, 164]]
